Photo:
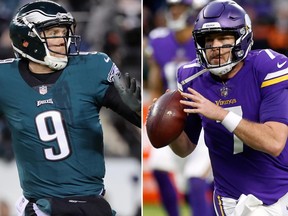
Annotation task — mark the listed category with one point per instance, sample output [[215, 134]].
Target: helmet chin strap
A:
[[52, 62], [55, 63], [223, 69], [227, 67]]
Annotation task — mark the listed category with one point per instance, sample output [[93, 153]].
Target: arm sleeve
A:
[[113, 101], [193, 127], [274, 107]]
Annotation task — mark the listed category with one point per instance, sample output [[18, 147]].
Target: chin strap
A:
[[219, 70], [222, 70], [55, 63]]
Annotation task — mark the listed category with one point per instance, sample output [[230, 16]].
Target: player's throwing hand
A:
[[201, 105]]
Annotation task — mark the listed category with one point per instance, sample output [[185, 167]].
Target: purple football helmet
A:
[[223, 16]]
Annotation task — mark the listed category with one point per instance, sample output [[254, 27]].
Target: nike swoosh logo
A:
[[106, 59], [281, 65]]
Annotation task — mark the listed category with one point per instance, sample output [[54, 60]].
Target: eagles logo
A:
[[113, 72]]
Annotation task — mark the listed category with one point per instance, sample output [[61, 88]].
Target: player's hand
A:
[[201, 105], [153, 102], [129, 91]]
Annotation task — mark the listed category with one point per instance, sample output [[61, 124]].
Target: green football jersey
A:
[[56, 130]]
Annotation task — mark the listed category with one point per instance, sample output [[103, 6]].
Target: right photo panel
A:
[[215, 108]]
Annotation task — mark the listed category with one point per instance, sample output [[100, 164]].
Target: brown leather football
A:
[[166, 119]]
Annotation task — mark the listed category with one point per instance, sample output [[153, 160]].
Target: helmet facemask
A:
[[221, 68], [50, 59], [224, 23]]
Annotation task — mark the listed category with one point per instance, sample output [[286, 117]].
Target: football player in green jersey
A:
[[51, 100]]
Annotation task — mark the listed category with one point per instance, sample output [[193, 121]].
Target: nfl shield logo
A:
[[43, 89]]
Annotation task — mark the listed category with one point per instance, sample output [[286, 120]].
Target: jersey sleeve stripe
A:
[[191, 65], [276, 74], [274, 81]]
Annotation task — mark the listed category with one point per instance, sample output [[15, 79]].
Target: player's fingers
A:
[[194, 92], [133, 85], [138, 92], [127, 80], [185, 95], [190, 106], [189, 103], [154, 100], [194, 110], [191, 97], [149, 107]]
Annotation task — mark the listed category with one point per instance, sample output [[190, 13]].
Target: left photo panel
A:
[[70, 108]]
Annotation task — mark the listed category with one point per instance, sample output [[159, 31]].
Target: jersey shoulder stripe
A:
[[186, 73], [275, 77], [191, 65]]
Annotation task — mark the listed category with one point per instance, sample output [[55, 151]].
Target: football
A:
[[166, 119]]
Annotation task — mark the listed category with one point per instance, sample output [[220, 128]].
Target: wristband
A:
[[231, 121]]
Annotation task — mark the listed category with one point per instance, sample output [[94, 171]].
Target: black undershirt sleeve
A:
[[113, 101], [193, 123]]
